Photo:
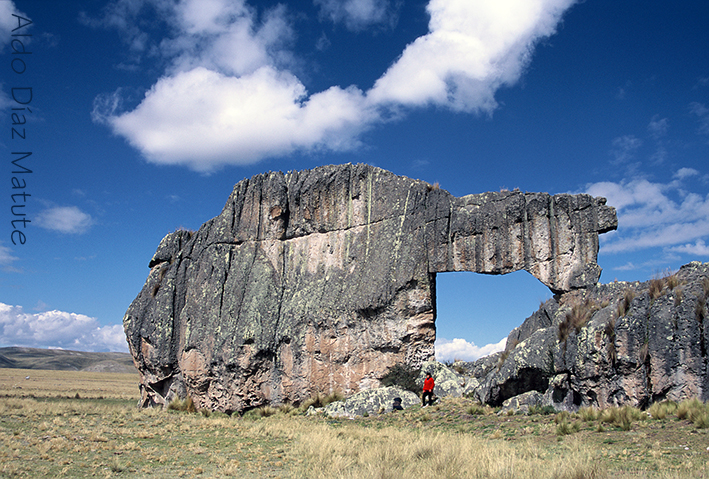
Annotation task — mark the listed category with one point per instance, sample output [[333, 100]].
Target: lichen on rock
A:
[[321, 280]]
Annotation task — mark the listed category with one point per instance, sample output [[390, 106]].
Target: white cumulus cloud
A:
[[471, 50], [258, 115], [229, 96], [58, 329], [64, 219], [450, 350]]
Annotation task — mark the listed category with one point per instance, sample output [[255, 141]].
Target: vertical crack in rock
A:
[[321, 280]]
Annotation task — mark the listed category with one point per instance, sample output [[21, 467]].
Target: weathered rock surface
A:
[[612, 344], [321, 280], [372, 401], [448, 382]]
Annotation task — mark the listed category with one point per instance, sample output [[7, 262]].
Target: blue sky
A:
[[145, 113]]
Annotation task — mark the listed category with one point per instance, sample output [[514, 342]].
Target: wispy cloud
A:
[[449, 350], [625, 148], [7, 258], [655, 214], [658, 127], [358, 14], [58, 329], [702, 113], [229, 95], [64, 219], [698, 248], [8, 22]]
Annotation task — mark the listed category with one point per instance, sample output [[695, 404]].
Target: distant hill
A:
[[62, 359]]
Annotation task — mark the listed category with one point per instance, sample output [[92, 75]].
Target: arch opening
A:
[[475, 312]]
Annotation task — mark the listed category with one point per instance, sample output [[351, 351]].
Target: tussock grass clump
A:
[[661, 410], [622, 417], [625, 301], [700, 309], [564, 424], [185, 405], [656, 288], [542, 410], [577, 318], [321, 400], [264, 411], [695, 411], [476, 410], [506, 353], [589, 414], [679, 294], [672, 281], [609, 331], [644, 352]]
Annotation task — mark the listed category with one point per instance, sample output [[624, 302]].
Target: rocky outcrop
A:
[[321, 280], [610, 345], [370, 402]]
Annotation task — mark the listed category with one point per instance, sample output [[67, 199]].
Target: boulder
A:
[[609, 345], [372, 401], [448, 383], [321, 280], [522, 403]]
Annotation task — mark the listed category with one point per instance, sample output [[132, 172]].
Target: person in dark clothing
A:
[[397, 405], [428, 385]]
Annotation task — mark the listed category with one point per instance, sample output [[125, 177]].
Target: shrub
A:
[[403, 376]]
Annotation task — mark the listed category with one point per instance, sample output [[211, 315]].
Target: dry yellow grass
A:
[[47, 431], [45, 383]]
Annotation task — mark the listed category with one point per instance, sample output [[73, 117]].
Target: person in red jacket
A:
[[428, 385]]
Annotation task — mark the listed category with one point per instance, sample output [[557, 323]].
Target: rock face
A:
[[321, 280], [610, 345]]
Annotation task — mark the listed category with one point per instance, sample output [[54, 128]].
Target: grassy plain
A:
[[78, 424]]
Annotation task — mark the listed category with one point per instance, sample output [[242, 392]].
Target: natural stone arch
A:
[[483, 309], [320, 280]]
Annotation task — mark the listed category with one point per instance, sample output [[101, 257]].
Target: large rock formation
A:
[[609, 345], [321, 280]]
